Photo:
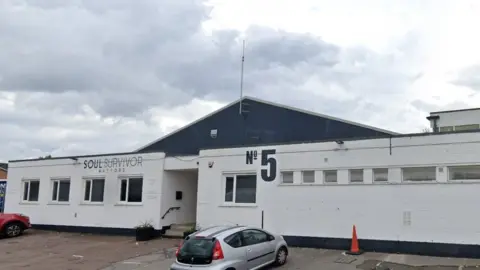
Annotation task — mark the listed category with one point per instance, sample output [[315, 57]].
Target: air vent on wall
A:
[[213, 133]]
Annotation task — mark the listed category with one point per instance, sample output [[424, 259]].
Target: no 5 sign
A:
[[268, 163]]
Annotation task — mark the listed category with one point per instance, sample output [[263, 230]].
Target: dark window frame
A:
[[125, 187], [27, 188], [57, 185], [89, 182], [227, 199]]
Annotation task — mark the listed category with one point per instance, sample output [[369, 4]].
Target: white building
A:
[[405, 193], [456, 120]]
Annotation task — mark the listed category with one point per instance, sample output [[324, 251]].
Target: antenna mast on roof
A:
[[241, 78]]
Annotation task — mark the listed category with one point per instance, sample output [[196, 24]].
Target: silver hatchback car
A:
[[230, 248]]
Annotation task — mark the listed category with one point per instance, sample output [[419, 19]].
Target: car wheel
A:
[[13, 229], [281, 257]]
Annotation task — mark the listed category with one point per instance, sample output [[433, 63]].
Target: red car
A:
[[12, 225]]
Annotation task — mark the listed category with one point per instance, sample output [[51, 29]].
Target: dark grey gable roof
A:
[[246, 99]]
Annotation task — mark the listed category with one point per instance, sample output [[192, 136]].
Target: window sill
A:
[[307, 184], [240, 205], [92, 203], [128, 204], [29, 203], [58, 203], [464, 181], [420, 182]]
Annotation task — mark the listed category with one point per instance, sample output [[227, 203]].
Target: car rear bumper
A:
[[217, 266]]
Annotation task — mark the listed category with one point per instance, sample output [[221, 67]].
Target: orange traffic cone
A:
[[354, 249]]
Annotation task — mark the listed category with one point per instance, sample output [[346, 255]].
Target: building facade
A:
[[405, 193]]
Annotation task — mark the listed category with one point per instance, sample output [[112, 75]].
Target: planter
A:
[[144, 234]]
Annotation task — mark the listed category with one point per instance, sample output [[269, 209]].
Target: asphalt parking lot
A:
[[40, 250]]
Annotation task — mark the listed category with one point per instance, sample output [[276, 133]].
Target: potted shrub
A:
[[144, 231], [190, 231]]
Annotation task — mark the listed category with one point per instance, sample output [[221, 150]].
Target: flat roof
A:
[[78, 156], [420, 134], [265, 144], [461, 110]]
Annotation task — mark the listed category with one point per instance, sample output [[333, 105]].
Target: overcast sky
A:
[[80, 77]]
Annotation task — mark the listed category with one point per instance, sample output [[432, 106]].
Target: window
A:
[[131, 189], [31, 189], [61, 190], [308, 177], [330, 176], [380, 175], [287, 177], [446, 129], [469, 172], [467, 127], [356, 176], [234, 240], [241, 188], [419, 174], [93, 190], [253, 237]]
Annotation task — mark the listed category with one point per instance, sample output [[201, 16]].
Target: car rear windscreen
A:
[[196, 251]]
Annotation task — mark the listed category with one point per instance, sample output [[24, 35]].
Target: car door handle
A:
[[249, 250]]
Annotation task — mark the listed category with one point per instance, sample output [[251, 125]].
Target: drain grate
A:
[[345, 259]]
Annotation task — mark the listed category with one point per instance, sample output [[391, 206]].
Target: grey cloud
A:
[[469, 77], [429, 107], [121, 58], [125, 58], [110, 48]]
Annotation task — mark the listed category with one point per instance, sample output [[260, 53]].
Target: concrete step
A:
[[177, 230], [173, 233], [184, 227]]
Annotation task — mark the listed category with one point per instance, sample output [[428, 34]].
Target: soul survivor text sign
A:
[[112, 164]]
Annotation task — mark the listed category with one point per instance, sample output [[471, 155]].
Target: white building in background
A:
[[405, 193], [456, 120]]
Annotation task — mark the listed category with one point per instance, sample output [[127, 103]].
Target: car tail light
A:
[[217, 251], [178, 249]]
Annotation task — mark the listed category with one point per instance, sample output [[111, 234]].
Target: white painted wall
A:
[[185, 181], [456, 118], [111, 213], [181, 163], [439, 211]]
